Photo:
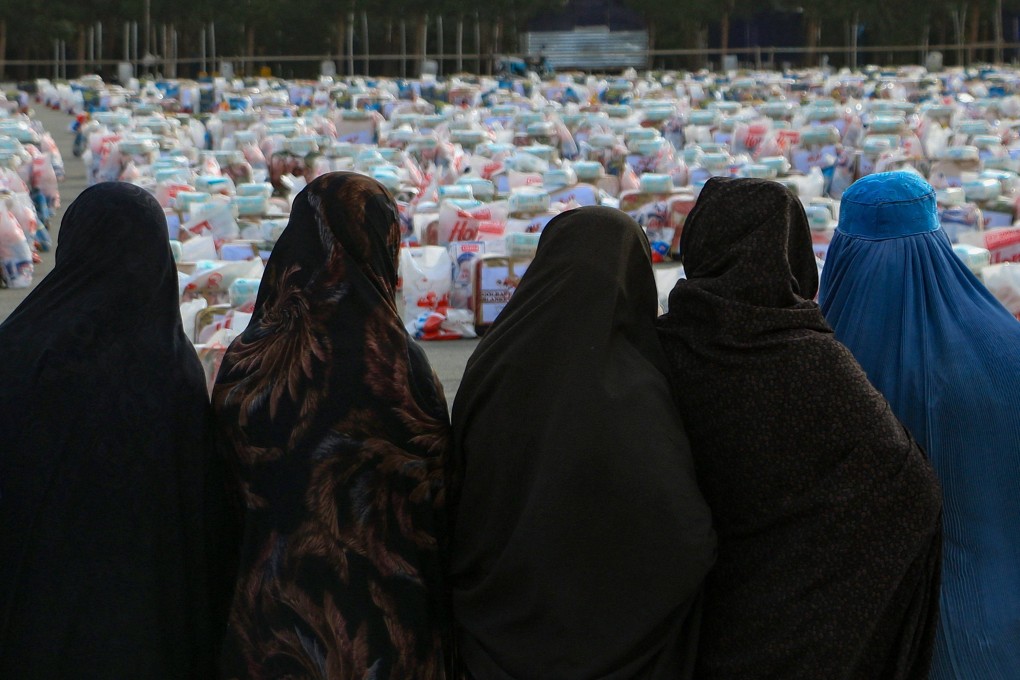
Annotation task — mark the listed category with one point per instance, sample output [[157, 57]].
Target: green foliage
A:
[[315, 27]]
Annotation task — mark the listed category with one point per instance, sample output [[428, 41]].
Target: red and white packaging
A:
[[463, 255], [1003, 243], [425, 278], [484, 223], [1003, 281]]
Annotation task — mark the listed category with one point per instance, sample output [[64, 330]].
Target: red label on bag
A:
[[787, 139], [201, 228], [492, 169], [463, 230], [1004, 244], [494, 228]]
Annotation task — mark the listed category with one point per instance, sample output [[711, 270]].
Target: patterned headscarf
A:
[[339, 431]]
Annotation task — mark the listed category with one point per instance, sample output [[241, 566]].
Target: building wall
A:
[[589, 48]]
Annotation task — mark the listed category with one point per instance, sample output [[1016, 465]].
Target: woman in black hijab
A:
[[580, 539], [339, 431], [827, 511], [115, 558]]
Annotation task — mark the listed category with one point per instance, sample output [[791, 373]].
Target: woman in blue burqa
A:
[[945, 354]]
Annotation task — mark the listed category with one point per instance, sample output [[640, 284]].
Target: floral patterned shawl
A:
[[339, 432]]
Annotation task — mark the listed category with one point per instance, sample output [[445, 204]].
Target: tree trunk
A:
[[651, 44], [701, 39], [495, 44], [854, 37], [110, 36], [483, 41], [974, 11], [388, 66], [341, 36], [3, 48], [365, 47], [25, 53], [249, 50], [81, 50], [350, 43], [460, 43], [483, 35], [724, 38], [421, 27], [925, 41], [811, 41], [997, 31], [959, 15]]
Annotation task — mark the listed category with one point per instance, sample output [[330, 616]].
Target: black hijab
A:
[[827, 511], [339, 432], [114, 552], [580, 538]]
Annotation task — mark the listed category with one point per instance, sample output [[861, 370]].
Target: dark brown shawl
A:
[[581, 540], [827, 511], [339, 432]]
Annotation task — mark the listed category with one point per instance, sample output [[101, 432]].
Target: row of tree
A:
[[92, 34]]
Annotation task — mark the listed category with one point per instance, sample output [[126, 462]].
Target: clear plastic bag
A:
[[15, 253], [426, 279], [1003, 281]]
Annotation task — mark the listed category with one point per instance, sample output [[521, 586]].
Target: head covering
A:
[[339, 432], [826, 510], [888, 205], [580, 537], [114, 555], [943, 351]]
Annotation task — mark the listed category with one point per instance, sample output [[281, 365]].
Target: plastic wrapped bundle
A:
[[45, 179], [24, 213], [15, 253], [974, 257], [1003, 281]]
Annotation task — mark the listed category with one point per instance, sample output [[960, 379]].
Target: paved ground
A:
[[448, 357]]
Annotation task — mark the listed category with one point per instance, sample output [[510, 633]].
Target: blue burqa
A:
[[946, 355]]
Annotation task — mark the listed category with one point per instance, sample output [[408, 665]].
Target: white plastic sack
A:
[[810, 185], [425, 273], [109, 166], [198, 248], [1003, 281], [216, 221], [15, 253], [581, 194], [448, 324], [665, 278], [22, 208], [216, 280], [936, 141], [12, 181], [520, 180], [484, 223], [189, 310]]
